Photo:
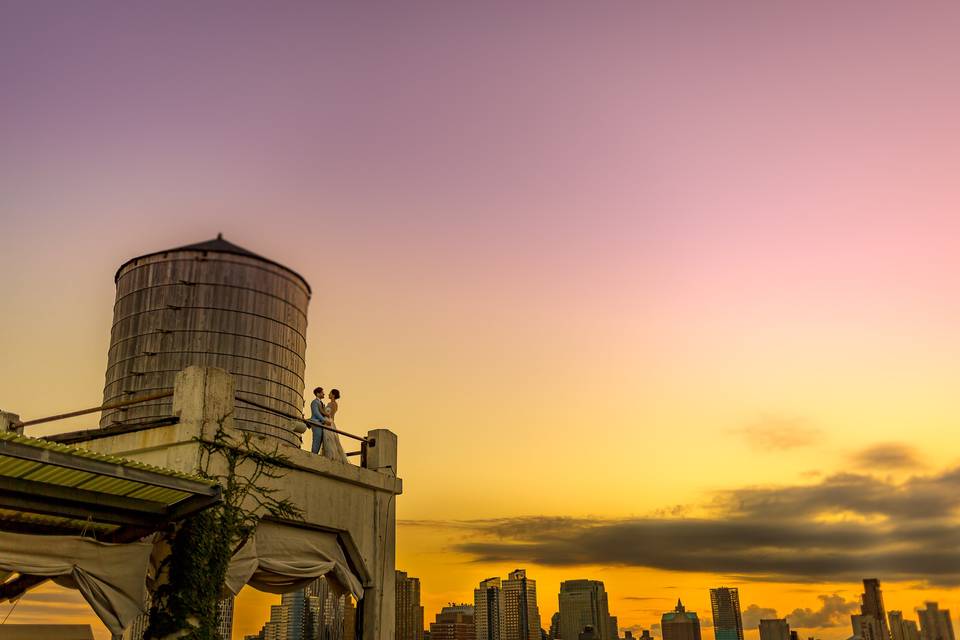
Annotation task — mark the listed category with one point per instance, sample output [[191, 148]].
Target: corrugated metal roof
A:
[[55, 486], [47, 445]]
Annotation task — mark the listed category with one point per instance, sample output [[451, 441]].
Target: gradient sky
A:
[[662, 294]]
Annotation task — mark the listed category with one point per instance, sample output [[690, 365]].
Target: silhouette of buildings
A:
[[871, 606], [225, 618], [555, 626], [866, 627], [314, 613], [488, 609], [901, 629], [727, 623], [409, 611], [521, 616], [680, 624], [775, 629], [454, 622], [583, 603], [935, 623]]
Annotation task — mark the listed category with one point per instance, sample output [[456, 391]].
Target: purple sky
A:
[[670, 217]]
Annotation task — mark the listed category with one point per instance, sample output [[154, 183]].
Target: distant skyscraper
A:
[[488, 610], [935, 623], [453, 623], [775, 629], [583, 603], [871, 604], [349, 619], [727, 623], [555, 626], [613, 628], [680, 624], [866, 627], [313, 613], [225, 618], [521, 616], [408, 609], [901, 629]]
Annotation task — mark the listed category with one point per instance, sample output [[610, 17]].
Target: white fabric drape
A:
[[109, 576], [282, 558]]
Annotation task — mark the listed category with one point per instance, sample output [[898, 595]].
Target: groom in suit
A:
[[318, 416]]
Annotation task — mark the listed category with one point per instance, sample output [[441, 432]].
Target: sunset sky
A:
[[660, 294]]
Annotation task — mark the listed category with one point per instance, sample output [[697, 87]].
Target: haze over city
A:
[[661, 295]]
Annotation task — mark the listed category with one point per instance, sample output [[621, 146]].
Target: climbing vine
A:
[[191, 578]]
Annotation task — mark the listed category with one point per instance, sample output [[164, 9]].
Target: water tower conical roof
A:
[[216, 245]]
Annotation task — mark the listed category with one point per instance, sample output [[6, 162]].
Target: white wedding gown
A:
[[331, 446]]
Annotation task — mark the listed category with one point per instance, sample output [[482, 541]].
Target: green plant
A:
[[191, 578]]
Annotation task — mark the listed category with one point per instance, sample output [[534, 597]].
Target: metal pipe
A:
[[109, 405]]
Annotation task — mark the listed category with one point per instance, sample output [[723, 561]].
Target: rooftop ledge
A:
[[173, 446], [203, 398]]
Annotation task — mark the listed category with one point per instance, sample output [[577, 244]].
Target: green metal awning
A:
[[46, 487]]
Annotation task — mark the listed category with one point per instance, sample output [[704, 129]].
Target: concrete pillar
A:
[[202, 399], [379, 607], [379, 599], [10, 422], [382, 451]]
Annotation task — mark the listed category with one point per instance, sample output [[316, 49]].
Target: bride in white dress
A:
[[331, 441]]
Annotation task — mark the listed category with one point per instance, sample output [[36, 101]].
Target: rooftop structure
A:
[[211, 304], [205, 341]]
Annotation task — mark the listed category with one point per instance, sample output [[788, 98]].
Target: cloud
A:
[[833, 612], [753, 614], [887, 456], [775, 433], [841, 528]]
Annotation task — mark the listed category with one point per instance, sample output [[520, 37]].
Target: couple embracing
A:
[[322, 415]]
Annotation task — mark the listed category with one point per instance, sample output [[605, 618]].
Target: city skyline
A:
[[662, 295]]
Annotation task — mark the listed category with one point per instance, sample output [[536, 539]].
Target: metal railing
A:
[[363, 440], [104, 407]]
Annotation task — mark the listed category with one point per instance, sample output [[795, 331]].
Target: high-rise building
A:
[[613, 628], [871, 604], [680, 624], [866, 627], [316, 612], [521, 615], [727, 623], [583, 603], [349, 619], [902, 629], [555, 626], [454, 622], [488, 610], [774, 629], [225, 618], [935, 623], [409, 611]]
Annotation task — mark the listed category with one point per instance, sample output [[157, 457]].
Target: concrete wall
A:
[[359, 503]]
